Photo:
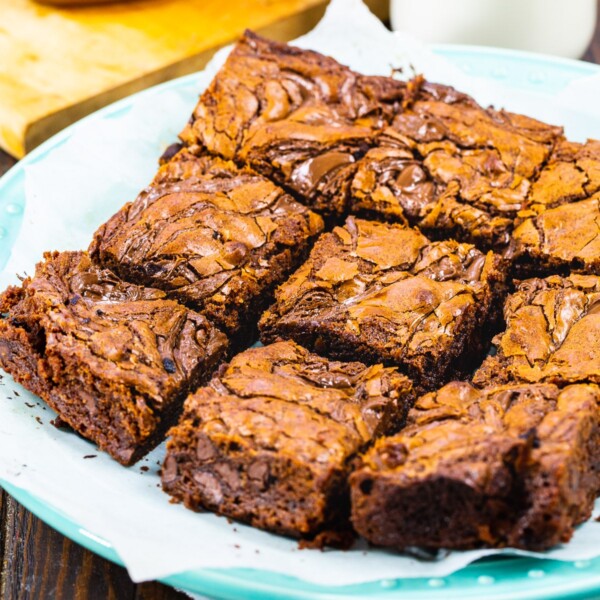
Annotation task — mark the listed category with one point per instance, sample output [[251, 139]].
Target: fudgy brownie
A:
[[114, 360], [559, 229], [214, 236], [295, 115], [505, 466], [269, 441], [552, 333], [385, 293], [452, 167]]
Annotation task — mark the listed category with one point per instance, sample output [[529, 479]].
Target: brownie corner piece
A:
[[558, 231], [504, 466], [215, 236], [114, 360], [270, 440], [297, 116], [385, 293], [552, 334]]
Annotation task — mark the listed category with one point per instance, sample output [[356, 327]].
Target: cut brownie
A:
[[269, 441], [385, 293], [559, 230], [452, 167], [506, 466], [295, 115], [216, 237], [552, 333], [115, 360]]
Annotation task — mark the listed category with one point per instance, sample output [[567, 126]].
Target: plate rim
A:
[[228, 582]]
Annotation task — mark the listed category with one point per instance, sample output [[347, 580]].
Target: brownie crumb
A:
[[144, 469], [59, 423]]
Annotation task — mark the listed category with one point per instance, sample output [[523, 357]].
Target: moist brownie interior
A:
[[270, 439], [114, 360], [504, 466]]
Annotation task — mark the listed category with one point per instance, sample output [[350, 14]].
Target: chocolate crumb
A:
[[39, 421], [169, 365], [29, 405], [90, 456], [16, 393], [144, 469]]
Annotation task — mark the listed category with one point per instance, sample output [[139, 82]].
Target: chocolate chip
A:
[[209, 486], [99, 312], [258, 472], [228, 474], [170, 152], [169, 365], [204, 449], [395, 455], [169, 470]]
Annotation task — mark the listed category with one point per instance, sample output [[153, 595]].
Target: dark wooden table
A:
[[37, 562]]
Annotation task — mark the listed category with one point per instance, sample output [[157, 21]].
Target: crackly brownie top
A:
[[567, 234], [385, 280], [560, 222], [552, 333], [264, 83], [464, 433], [122, 333], [572, 173], [295, 115], [482, 158], [283, 398], [204, 223]]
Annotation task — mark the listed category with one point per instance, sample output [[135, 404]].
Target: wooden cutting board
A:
[[59, 64]]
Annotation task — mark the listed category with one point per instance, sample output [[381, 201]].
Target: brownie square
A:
[[504, 466], [559, 230], [552, 333], [216, 237], [270, 439], [385, 293], [114, 360], [452, 167], [297, 116]]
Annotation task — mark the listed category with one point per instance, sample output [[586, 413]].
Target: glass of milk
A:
[[560, 27]]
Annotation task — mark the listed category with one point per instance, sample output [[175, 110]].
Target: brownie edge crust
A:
[[385, 293], [270, 440], [214, 236], [509, 466], [114, 360]]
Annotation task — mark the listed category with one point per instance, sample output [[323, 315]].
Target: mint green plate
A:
[[493, 578]]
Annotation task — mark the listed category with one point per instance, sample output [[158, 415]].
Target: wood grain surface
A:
[[37, 562]]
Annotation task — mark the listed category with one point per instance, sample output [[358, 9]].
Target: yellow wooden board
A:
[[59, 64]]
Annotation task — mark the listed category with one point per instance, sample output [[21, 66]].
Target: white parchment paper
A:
[[76, 187]]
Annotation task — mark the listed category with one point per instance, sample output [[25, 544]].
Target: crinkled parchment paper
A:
[[77, 186]]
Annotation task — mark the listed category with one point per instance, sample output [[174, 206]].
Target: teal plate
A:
[[493, 578]]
